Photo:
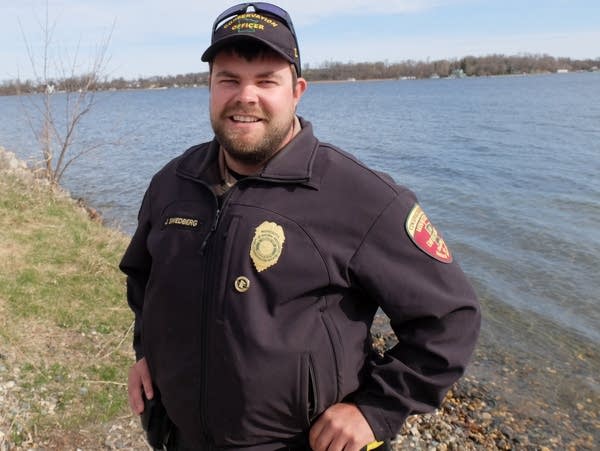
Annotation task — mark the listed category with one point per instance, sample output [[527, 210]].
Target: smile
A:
[[247, 119]]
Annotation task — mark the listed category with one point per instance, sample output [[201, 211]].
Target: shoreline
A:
[[489, 402], [475, 415], [328, 81]]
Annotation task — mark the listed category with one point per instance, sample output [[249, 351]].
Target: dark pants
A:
[[175, 443]]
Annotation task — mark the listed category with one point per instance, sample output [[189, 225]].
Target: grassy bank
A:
[[65, 339]]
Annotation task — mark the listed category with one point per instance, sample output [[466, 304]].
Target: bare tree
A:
[[67, 93]]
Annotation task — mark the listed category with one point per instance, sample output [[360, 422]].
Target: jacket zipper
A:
[[209, 254], [218, 213]]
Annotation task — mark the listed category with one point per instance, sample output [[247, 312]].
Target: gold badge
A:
[[425, 235], [242, 284], [267, 245]]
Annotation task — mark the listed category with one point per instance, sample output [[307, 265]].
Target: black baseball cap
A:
[[263, 22]]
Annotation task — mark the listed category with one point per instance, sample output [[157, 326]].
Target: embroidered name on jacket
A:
[[181, 222]]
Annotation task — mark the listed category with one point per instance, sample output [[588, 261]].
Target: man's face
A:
[[252, 105]]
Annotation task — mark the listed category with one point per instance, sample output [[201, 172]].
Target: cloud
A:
[[580, 45], [191, 16], [310, 11]]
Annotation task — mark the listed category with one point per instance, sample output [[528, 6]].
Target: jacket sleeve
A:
[[136, 264], [433, 311]]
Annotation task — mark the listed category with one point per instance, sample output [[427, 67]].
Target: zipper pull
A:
[[216, 221], [211, 231]]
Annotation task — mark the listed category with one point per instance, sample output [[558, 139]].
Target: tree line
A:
[[332, 71], [468, 66]]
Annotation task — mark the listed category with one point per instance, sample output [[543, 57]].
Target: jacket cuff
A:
[[384, 424]]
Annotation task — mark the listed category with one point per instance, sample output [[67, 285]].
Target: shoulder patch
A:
[[425, 236]]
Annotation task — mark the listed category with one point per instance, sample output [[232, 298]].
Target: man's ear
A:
[[299, 89]]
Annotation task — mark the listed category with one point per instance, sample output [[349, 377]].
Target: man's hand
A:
[[139, 379], [341, 427]]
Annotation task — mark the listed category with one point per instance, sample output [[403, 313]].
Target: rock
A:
[[10, 162], [8, 385]]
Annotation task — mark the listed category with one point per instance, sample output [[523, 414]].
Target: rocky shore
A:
[[10, 164], [474, 415]]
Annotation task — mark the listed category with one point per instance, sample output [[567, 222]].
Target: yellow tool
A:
[[372, 445]]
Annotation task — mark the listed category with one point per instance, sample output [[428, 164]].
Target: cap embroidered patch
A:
[[425, 236], [250, 22], [267, 245]]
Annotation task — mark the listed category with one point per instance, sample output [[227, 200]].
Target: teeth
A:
[[245, 119]]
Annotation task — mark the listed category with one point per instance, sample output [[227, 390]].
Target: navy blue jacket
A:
[[254, 315]]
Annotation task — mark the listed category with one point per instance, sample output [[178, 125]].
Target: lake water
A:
[[506, 167]]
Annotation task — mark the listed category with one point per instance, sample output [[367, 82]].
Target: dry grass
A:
[[65, 339]]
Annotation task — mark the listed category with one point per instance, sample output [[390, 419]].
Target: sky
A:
[[167, 37]]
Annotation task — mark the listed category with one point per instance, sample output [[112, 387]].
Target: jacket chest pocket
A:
[[274, 257], [179, 231]]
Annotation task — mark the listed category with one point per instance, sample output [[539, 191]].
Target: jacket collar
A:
[[292, 164]]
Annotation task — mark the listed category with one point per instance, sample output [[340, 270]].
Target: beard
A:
[[253, 149]]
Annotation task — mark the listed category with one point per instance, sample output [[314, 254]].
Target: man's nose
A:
[[248, 93]]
